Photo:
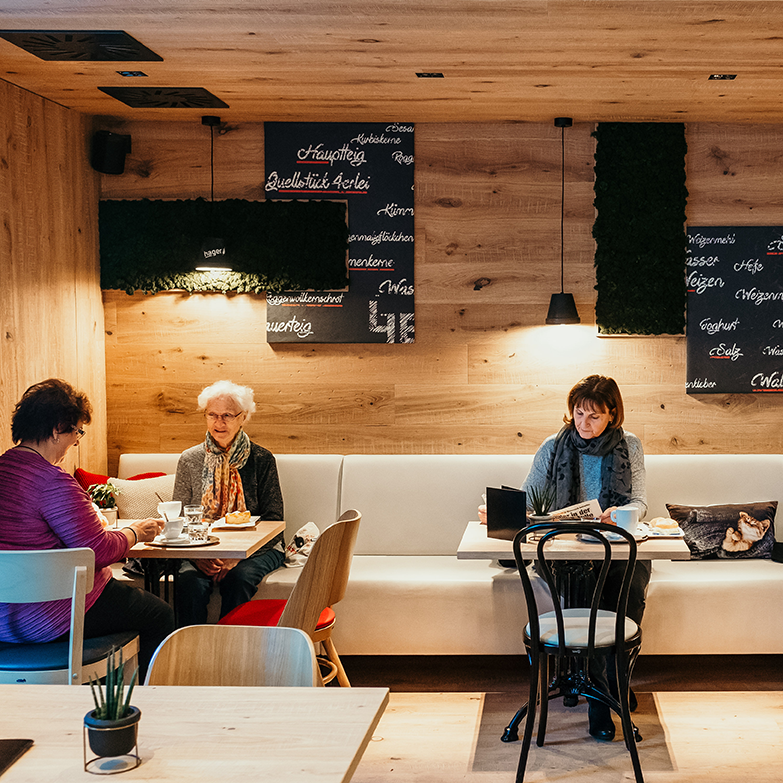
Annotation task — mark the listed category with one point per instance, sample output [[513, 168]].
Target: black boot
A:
[[632, 701], [599, 718]]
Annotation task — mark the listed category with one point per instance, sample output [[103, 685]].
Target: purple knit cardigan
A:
[[43, 507]]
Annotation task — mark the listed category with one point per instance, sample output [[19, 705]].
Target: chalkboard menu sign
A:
[[370, 166], [735, 310]]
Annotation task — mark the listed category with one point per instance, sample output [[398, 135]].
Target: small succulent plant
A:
[[541, 500], [115, 703]]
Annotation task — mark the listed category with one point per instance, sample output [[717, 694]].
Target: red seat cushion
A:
[[267, 612]]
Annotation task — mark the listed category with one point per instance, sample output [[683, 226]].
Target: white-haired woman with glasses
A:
[[225, 473]]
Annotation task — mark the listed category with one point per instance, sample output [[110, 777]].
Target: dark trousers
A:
[[602, 669], [122, 607], [238, 586]]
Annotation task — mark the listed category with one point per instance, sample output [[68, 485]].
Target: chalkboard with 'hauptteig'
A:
[[735, 310], [370, 167]]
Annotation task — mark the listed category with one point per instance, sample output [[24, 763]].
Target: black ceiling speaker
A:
[[109, 151]]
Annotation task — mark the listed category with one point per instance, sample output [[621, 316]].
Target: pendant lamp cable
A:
[[562, 201], [212, 175]]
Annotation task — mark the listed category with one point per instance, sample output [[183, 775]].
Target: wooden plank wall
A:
[[51, 314], [484, 375]]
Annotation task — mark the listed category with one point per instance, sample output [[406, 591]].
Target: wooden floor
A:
[[689, 736]]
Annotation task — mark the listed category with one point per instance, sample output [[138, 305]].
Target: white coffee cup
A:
[[626, 517], [169, 508], [172, 528]]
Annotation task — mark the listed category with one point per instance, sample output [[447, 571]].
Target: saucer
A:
[[178, 541], [183, 541]]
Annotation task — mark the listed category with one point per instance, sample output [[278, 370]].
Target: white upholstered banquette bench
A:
[[409, 595]]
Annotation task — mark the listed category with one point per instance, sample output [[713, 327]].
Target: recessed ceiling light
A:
[[429, 75], [722, 77]]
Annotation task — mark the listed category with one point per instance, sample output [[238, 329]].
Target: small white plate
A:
[[186, 542], [655, 532], [614, 538], [178, 541], [220, 524]]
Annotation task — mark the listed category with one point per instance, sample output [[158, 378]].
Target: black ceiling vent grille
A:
[[165, 97], [81, 45]]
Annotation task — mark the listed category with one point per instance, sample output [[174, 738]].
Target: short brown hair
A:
[[598, 391], [49, 406]]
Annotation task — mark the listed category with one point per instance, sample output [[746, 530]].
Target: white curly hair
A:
[[241, 396]]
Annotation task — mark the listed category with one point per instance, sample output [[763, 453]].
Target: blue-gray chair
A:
[[32, 576]]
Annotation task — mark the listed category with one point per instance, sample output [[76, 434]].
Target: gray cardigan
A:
[[260, 484], [590, 473]]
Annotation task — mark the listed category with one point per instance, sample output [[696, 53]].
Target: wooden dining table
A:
[[476, 545], [192, 734], [230, 545]]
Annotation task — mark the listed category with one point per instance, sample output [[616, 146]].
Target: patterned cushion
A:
[[137, 498], [730, 531]]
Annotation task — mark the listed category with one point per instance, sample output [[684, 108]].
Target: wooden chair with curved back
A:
[[320, 586], [236, 656], [33, 576]]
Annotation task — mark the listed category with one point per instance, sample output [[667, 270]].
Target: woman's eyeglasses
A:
[[224, 417], [79, 432]]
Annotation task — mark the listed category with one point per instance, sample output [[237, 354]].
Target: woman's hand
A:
[[606, 516], [482, 512], [227, 565], [209, 567], [142, 530]]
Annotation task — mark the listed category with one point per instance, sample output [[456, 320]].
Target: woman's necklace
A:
[[30, 448]]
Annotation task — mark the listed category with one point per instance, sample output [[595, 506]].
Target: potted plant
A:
[[104, 496], [112, 726], [540, 501]]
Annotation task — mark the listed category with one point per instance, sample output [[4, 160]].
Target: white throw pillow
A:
[[137, 499]]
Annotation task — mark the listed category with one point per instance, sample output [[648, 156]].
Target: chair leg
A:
[[544, 710], [630, 733], [532, 704], [331, 652]]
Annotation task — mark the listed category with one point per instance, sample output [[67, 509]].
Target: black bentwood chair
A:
[[561, 642]]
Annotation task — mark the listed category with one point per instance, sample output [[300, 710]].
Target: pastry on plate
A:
[[664, 523], [237, 518]]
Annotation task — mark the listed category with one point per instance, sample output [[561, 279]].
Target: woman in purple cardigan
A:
[[45, 508]]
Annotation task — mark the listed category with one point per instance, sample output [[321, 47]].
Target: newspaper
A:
[[590, 509]]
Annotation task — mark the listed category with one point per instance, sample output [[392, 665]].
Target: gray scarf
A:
[[564, 466]]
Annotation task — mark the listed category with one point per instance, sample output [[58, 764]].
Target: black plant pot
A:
[[109, 738]]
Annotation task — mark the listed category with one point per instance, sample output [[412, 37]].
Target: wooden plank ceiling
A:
[[356, 60]]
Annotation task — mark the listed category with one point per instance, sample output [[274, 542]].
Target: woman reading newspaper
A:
[[593, 458]]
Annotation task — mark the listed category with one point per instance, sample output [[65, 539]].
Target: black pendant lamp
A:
[[213, 257], [562, 308]]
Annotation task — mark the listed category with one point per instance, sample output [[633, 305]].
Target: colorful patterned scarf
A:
[[564, 467], [221, 485]]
